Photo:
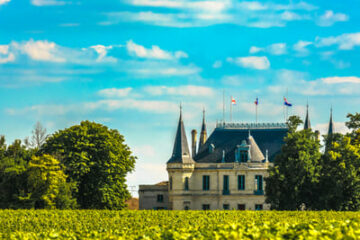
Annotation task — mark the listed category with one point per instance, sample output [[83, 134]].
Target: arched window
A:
[[186, 184]]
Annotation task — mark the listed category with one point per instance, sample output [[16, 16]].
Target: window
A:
[[206, 182], [186, 184], [170, 183], [226, 185], [160, 198], [186, 208], [206, 207], [241, 207], [243, 156], [226, 206], [258, 183], [241, 182], [258, 207]]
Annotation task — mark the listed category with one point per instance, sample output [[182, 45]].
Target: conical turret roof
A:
[[331, 124], [181, 152], [255, 153], [307, 124]]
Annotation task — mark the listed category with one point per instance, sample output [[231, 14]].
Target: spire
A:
[[203, 134], [331, 124], [307, 124], [181, 152]]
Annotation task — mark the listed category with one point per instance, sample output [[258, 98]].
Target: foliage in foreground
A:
[[96, 224], [82, 166]]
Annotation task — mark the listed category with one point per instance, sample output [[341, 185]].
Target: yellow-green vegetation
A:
[[105, 224]]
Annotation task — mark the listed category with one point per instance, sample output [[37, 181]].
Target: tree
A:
[[340, 176], [13, 178], [38, 138], [47, 184], [97, 160], [293, 179]]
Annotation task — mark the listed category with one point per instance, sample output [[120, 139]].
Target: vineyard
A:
[[94, 224]]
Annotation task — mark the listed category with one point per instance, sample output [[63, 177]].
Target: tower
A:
[[203, 134], [181, 152], [331, 124], [307, 124]]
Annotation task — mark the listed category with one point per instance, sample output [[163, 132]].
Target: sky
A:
[[128, 64]]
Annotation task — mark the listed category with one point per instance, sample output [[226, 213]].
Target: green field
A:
[[95, 224]]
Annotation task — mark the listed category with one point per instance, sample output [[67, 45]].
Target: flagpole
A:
[[231, 109], [287, 108], [256, 109], [284, 109], [223, 105]]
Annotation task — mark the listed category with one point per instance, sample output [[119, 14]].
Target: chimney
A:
[[193, 142]]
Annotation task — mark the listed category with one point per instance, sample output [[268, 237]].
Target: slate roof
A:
[[227, 138], [181, 152], [307, 124], [331, 124]]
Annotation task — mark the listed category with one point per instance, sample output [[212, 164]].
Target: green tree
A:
[[47, 184], [293, 179], [13, 178], [340, 175], [97, 160]]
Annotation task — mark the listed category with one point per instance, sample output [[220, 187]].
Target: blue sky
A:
[[128, 64]]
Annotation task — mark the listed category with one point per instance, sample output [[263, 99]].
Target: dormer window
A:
[[243, 156], [242, 152]]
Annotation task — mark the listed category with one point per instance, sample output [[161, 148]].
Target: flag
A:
[[286, 103], [256, 101], [233, 102]]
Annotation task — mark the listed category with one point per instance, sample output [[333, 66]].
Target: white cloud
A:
[[254, 49], [345, 41], [184, 13], [217, 64], [41, 50], [115, 92], [4, 1], [301, 47], [301, 84], [40, 3], [102, 52], [189, 90], [339, 127], [329, 18], [274, 49], [278, 49], [336, 80], [5, 55], [259, 63], [154, 52]]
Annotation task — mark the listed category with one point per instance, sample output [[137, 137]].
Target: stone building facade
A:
[[224, 171]]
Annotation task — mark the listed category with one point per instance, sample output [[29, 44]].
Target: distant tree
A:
[[97, 160], [294, 177], [13, 177], [47, 186], [354, 125], [340, 175], [38, 138]]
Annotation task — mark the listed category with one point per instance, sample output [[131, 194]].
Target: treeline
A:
[[83, 166], [309, 176]]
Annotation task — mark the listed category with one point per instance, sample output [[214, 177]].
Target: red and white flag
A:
[[233, 102]]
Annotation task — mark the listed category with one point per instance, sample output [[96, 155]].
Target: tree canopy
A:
[[97, 160]]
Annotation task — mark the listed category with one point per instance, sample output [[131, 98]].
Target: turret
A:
[[331, 124], [307, 124], [181, 152], [193, 142], [203, 133]]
